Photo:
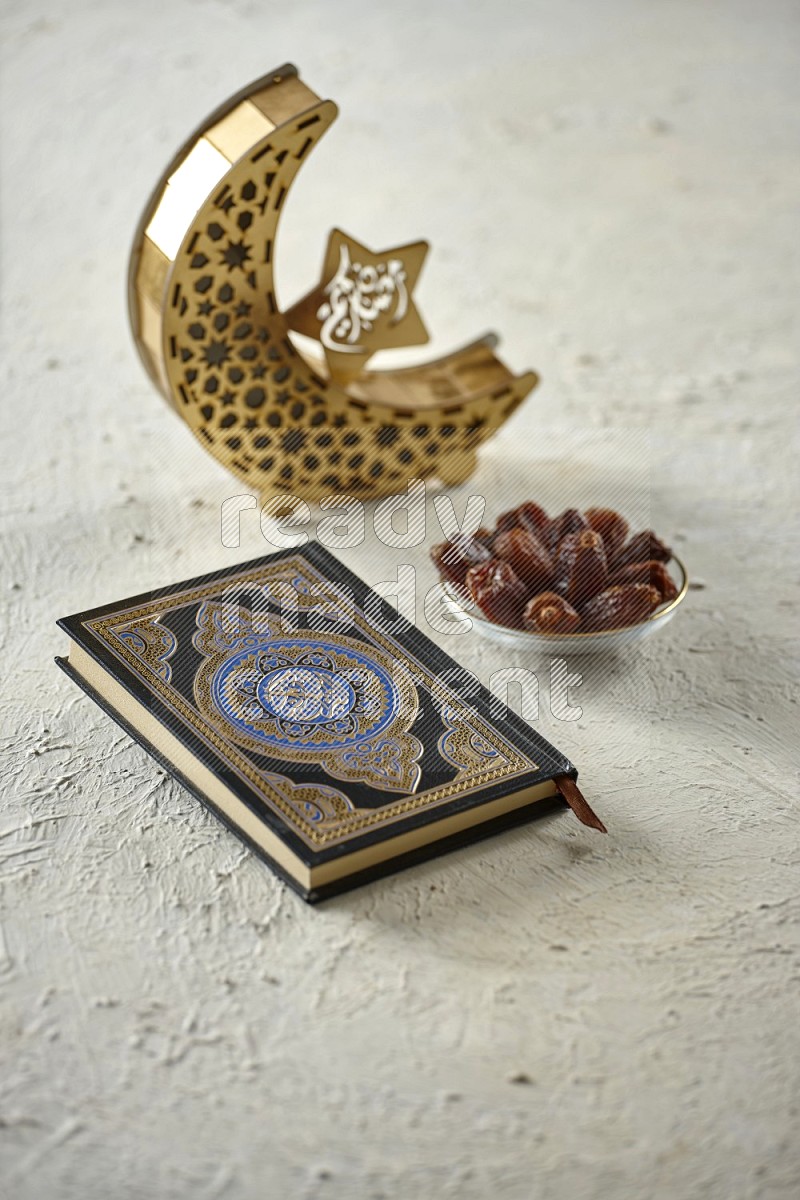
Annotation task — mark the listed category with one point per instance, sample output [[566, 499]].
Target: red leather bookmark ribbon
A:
[[574, 798]]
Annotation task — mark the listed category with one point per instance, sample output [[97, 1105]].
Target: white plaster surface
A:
[[551, 1014]]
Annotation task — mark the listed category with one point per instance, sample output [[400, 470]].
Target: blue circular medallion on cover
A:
[[306, 694], [301, 695]]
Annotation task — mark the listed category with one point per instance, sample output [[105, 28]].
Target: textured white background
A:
[[614, 186]]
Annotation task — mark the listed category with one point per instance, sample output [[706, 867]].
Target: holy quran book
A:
[[322, 728]]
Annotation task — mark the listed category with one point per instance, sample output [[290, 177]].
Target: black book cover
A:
[[338, 724]]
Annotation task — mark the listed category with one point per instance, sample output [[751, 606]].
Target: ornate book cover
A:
[[330, 734]]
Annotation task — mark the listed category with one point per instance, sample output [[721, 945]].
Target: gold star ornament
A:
[[363, 303]]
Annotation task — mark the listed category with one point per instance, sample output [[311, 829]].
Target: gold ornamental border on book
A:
[[212, 337], [505, 763]]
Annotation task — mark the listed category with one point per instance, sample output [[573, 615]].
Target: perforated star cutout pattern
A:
[[363, 303]]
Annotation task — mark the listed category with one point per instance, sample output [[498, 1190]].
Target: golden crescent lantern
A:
[[210, 333]]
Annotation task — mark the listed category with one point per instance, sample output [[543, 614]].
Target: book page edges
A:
[[201, 777]]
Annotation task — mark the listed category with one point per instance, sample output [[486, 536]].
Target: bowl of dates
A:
[[579, 581]]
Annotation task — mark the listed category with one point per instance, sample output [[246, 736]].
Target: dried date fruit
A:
[[620, 605], [651, 572], [497, 591], [453, 559], [533, 518], [641, 548], [581, 569], [550, 613], [612, 527], [590, 570], [528, 516], [527, 556], [507, 520], [574, 571], [570, 521]]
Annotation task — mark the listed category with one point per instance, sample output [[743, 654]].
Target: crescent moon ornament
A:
[[208, 328]]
